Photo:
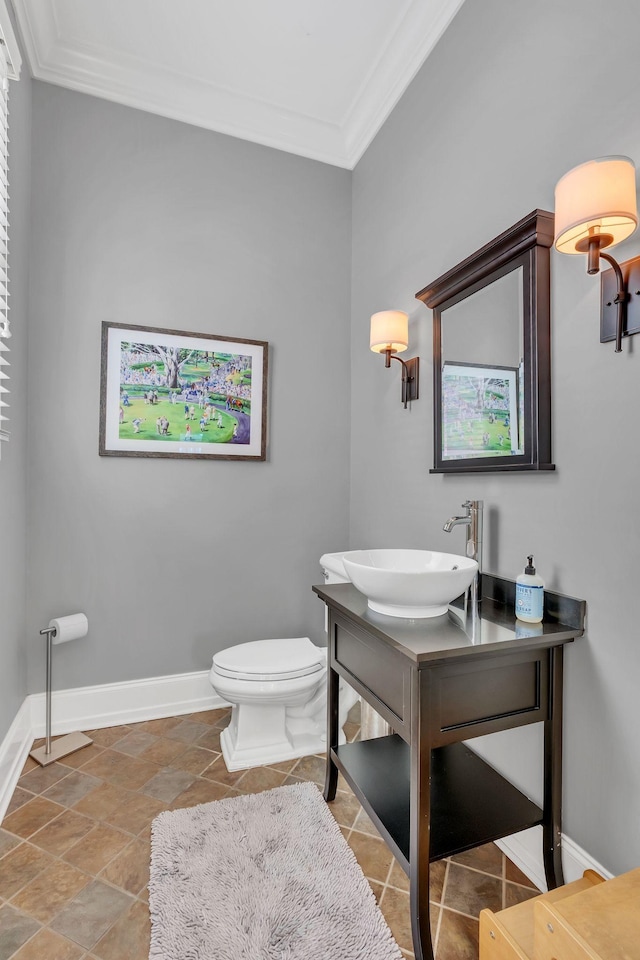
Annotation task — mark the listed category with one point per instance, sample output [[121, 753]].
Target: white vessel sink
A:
[[409, 583]]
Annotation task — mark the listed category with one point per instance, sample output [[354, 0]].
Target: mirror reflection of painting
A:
[[479, 411], [175, 393]]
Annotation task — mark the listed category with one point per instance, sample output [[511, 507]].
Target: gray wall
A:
[[13, 465], [139, 219], [514, 95]]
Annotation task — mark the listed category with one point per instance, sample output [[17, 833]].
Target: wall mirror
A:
[[491, 354]]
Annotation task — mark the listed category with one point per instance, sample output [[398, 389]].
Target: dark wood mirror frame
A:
[[526, 244]]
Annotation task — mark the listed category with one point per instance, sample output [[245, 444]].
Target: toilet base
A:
[[298, 737]]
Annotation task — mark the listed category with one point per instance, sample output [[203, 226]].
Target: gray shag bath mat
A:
[[267, 876]]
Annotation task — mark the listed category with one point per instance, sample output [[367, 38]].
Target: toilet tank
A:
[[371, 724], [334, 572], [333, 567]]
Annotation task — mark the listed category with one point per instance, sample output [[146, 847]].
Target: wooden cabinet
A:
[[590, 919], [508, 935], [600, 924], [438, 683]]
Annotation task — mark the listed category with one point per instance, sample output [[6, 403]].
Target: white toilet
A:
[[278, 693]]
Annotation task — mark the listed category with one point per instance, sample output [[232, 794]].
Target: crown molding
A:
[[130, 80], [396, 67]]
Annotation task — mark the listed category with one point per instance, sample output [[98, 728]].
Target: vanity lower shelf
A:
[[471, 803]]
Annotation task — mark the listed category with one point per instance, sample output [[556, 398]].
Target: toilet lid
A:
[[271, 659]]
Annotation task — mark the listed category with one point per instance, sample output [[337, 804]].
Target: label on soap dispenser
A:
[[529, 602]]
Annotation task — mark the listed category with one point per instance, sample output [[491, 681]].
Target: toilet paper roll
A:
[[69, 628]]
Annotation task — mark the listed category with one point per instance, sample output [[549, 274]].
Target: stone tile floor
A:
[[75, 845]]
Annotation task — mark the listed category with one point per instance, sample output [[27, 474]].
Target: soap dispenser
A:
[[529, 594]]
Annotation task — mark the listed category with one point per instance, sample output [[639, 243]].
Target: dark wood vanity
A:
[[439, 682]]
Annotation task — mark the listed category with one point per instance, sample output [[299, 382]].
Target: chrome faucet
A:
[[472, 517]]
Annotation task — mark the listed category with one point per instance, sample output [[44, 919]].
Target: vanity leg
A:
[[331, 777], [552, 813], [420, 837], [419, 897]]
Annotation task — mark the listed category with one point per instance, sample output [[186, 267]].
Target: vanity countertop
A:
[[457, 634]]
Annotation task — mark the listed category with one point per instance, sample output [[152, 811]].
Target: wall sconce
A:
[[390, 335], [596, 208]]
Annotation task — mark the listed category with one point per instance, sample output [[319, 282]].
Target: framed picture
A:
[[480, 411], [168, 393]]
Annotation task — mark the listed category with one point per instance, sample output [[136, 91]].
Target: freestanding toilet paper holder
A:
[[63, 746]]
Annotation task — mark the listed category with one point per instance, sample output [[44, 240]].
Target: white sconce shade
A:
[[390, 335], [597, 198], [389, 331]]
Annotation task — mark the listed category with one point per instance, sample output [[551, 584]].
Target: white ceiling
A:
[[313, 77]]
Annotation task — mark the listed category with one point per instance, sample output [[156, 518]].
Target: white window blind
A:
[[5, 331], [10, 62]]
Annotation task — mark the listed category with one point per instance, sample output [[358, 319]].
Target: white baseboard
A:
[[525, 850], [107, 705], [13, 753], [114, 704]]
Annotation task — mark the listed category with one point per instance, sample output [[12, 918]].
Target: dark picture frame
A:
[[183, 395]]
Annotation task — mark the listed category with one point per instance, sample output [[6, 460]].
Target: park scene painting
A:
[[168, 393], [479, 411]]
